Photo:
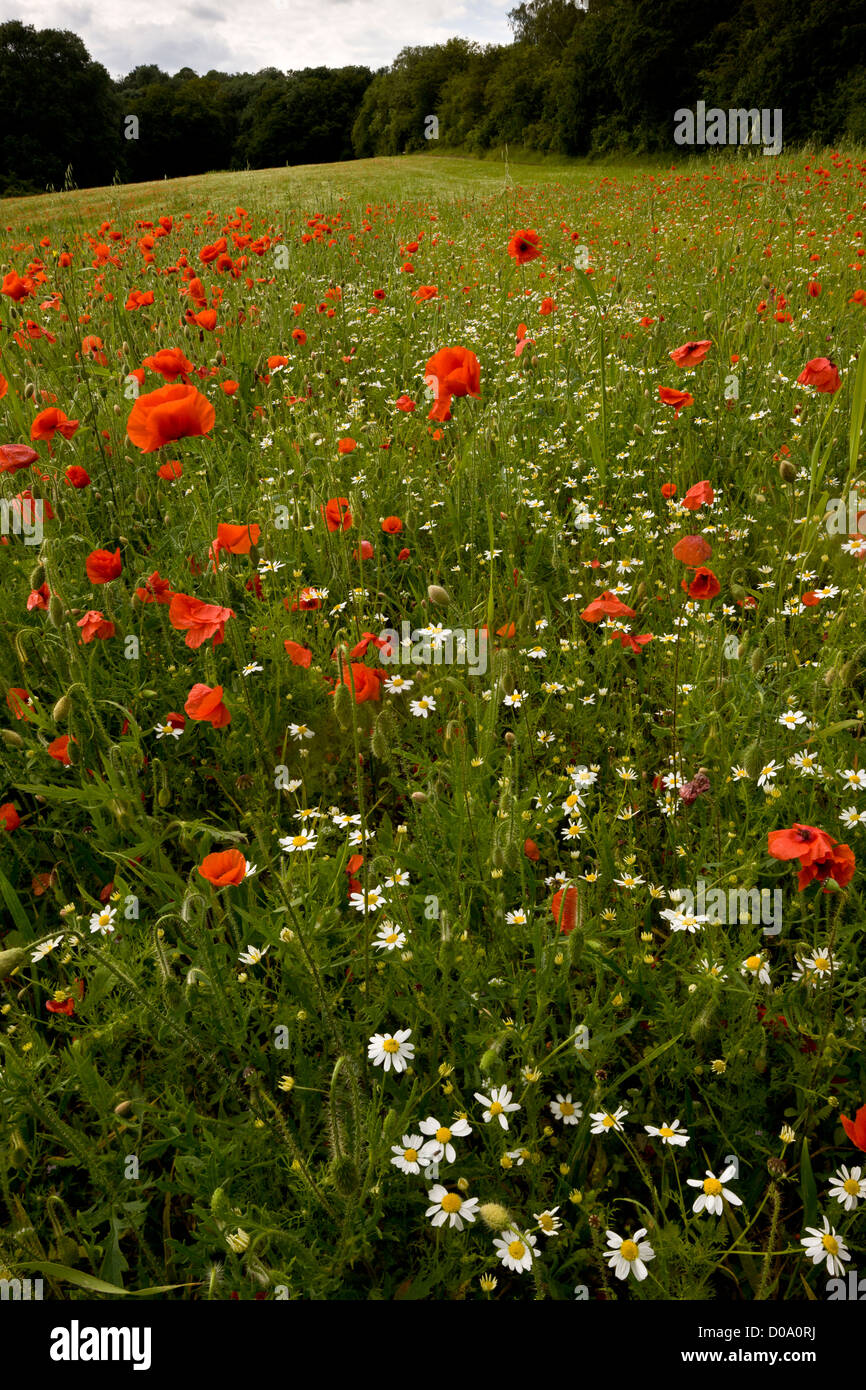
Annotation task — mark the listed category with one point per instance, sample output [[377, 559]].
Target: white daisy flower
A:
[[499, 1106], [629, 1255], [406, 1155], [387, 1050], [565, 1109], [103, 921], [669, 1134], [848, 1187], [712, 1190], [439, 1146], [515, 1250], [450, 1207], [821, 1245]]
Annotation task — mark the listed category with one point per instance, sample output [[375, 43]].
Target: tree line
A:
[[578, 79]]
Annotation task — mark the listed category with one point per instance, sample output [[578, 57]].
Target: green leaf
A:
[[13, 902], [89, 1281]]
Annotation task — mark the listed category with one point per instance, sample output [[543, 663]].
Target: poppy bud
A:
[[830, 676], [141, 496], [509, 738], [343, 706], [123, 1108], [55, 611], [437, 594], [37, 576], [344, 1172], [30, 391], [61, 709], [752, 760], [708, 315], [379, 745], [12, 739], [787, 471], [494, 1216], [848, 672], [766, 281], [11, 960], [757, 661], [489, 1060], [419, 798]]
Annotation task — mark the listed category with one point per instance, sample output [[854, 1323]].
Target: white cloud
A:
[[262, 33]]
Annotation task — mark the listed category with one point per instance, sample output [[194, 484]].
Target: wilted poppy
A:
[[607, 605], [95, 624], [363, 680], [298, 655], [564, 908], [337, 515], [16, 456]]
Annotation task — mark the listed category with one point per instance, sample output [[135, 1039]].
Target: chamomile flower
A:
[[851, 817], [820, 965], [515, 699], [548, 1222], [300, 731], [757, 967], [398, 685], [669, 1134], [297, 844], [791, 718], [252, 955], [603, 1122], [252, 668], [848, 1187], [371, 902], [450, 1207], [517, 918], [498, 1107], [45, 948], [103, 921], [515, 1250], [629, 1255], [712, 1190], [684, 921], [565, 1109], [821, 1245], [389, 938], [168, 730], [407, 1155], [439, 1145], [421, 708], [391, 1050]]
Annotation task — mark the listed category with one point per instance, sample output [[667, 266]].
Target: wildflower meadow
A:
[[433, 671]]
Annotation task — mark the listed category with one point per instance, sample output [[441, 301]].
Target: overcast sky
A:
[[262, 33]]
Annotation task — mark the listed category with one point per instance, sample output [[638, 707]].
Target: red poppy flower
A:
[[690, 354], [669, 489], [205, 704], [155, 590], [237, 540], [822, 374], [634, 644], [38, 598], [171, 413], [16, 456], [346, 445], [839, 865], [366, 551], [198, 620], [102, 566], [804, 842], [298, 655], [406, 404], [15, 286], [50, 422], [77, 476], [169, 363], [9, 817], [607, 605], [58, 749], [564, 908], [367, 682], [855, 1129], [678, 399], [94, 624], [16, 699], [452, 371], [697, 495], [337, 515], [224, 868], [392, 525], [171, 470], [531, 850], [524, 247], [64, 1006], [692, 550], [704, 585]]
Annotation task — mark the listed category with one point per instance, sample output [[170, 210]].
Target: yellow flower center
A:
[[443, 1134], [831, 1244], [517, 1249], [628, 1250], [495, 1108], [298, 840], [410, 1155], [391, 937], [608, 1121], [820, 963], [851, 1186], [546, 1221], [754, 962], [666, 1132], [566, 1107], [390, 1045], [712, 1187], [451, 1202]]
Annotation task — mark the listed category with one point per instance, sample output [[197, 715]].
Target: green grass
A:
[[190, 1096]]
